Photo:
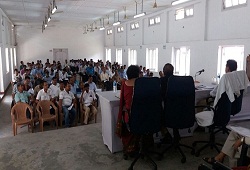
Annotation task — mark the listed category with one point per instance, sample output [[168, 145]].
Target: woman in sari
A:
[[130, 142]]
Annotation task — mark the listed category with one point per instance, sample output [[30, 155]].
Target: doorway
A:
[[60, 54]]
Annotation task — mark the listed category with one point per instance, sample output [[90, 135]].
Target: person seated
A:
[[67, 102], [168, 71], [92, 85], [45, 93], [47, 77], [230, 148], [130, 141], [54, 87], [89, 100], [38, 88], [105, 79], [24, 97], [118, 79], [26, 87], [230, 67]]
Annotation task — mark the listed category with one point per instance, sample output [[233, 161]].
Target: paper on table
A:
[[240, 130]]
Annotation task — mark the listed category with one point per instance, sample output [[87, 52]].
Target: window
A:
[[134, 25], [7, 60], [132, 57], [184, 13], [119, 56], [154, 20], [1, 72], [120, 29], [14, 53], [108, 54], [109, 31], [152, 59], [230, 52], [181, 61], [233, 3]]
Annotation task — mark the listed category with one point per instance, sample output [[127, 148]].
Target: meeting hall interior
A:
[[124, 84]]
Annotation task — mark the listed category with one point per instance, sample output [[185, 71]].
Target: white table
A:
[[109, 110]]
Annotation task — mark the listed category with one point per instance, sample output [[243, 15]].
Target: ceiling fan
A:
[[155, 5]]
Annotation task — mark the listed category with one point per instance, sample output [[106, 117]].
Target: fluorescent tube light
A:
[[102, 28], [179, 2], [117, 23], [49, 19], [140, 15], [54, 10]]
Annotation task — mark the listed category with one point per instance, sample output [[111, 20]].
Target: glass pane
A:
[[228, 3], [242, 1], [235, 2], [191, 11], [179, 14], [157, 20], [187, 12], [151, 21], [132, 26]]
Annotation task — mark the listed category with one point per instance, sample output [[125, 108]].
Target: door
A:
[[60, 55]]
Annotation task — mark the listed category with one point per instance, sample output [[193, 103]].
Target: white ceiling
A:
[[74, 13]]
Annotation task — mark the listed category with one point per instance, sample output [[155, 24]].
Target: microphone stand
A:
[[196, 74]]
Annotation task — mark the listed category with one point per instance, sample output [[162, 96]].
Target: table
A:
[[109, 110]]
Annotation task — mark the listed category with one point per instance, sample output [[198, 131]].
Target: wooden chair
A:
[[18, 116], [82, 113], [43, 110]]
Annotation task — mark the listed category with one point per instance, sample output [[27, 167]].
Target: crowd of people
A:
[[67, 84]]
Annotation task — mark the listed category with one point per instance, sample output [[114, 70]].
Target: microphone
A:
[[199, 72]]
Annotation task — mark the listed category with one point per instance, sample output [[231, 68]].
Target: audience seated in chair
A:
[[67, 102], [88, 109]]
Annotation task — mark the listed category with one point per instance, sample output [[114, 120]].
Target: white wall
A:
[[34, 45], [209, 28]]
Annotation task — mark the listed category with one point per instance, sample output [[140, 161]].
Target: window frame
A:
[[148, 60], [116, 57], [7, 60], [187, 60], [184, 11], [109, 31], [129, 56], [107, 57], [233, 6], [154, 19], [135, 25], [221, 65]]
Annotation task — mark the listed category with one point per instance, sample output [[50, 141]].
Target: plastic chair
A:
[[19, 116], [43, 109]]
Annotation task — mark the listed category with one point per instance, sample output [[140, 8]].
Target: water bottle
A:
[[114, 86]]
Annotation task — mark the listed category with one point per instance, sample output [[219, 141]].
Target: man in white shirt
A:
[[88, 99], [54, 87], [66, 104], [104, 76], [230, 67], [45, 93]]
